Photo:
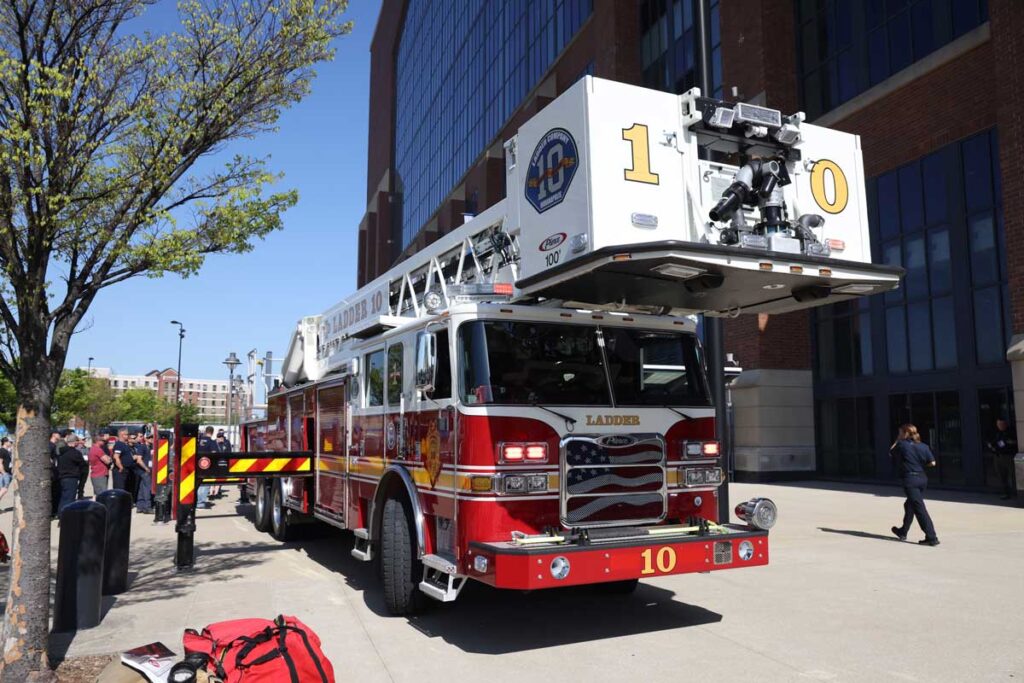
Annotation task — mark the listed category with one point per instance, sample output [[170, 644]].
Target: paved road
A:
[[840, 601]]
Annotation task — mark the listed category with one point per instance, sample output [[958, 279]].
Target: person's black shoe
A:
[[929, 541], [899, 534]]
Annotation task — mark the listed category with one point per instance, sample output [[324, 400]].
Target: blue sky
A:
[[240, 302]]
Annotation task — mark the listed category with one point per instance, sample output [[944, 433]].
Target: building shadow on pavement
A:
[[894, 490], [529, 620]]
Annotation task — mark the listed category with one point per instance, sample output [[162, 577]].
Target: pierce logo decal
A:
[[553, 241]]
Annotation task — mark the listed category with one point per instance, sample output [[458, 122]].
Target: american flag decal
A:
[[614, 480]]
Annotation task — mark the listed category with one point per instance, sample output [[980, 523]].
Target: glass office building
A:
[[932, 352], [463, 67]]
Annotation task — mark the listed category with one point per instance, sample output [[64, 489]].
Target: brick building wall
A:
[[1007, 21]]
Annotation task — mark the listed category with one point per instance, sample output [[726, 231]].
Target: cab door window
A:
[[375, 379], [395, 376]]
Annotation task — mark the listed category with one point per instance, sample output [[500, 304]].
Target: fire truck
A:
[[525, 402]]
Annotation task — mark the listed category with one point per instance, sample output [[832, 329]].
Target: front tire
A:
[[261, 520], [399, 567], [279, 526]]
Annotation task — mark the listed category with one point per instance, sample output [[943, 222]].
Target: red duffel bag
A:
[[261, 651]]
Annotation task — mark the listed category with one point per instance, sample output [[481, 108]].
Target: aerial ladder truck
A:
[[525, 402]]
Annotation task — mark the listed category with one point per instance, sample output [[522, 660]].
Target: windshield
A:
[[522, 363]]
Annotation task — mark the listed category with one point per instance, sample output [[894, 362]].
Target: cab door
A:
[[394, 419], [331, 447]]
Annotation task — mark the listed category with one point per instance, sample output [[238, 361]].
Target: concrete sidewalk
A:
[[841, 600]]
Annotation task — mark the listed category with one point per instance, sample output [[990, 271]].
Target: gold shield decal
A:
[[432, 454]]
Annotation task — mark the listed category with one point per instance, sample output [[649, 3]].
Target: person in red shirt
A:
[[99, 464]]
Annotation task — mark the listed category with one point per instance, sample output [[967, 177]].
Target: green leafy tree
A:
[[99, 406], [101, 130], [189, 412], [8, 402], [70, 397]]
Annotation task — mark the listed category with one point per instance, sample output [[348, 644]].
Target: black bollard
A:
[[80, 558], [119, 536]]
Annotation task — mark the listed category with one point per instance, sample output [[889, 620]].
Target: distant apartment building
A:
[[210, 395]]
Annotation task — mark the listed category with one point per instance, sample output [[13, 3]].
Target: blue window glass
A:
[[669, 45], [977, 173], [892, 256], [939, 268], [988, 326], [984, 257], [911, 198], [916, 279], [944, 333], [852, 45], [938, 169], [888, 206], [461, 70], [922, 21], [896, 339], [900, 52], [919, 325]]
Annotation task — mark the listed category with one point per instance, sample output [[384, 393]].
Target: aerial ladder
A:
[[625, 199]]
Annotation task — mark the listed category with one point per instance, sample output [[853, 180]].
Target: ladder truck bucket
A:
[[624, 196]]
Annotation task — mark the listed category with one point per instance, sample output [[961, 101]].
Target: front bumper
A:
[[656, 551]]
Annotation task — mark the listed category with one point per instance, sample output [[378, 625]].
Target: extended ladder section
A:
[[623, 198]]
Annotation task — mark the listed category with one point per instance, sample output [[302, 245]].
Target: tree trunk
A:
[[27, 619]]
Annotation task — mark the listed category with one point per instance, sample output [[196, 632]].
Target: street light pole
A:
[[177, 383], [89, 371], [232, 362]]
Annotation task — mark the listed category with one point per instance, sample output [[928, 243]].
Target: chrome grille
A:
[[613, 480]]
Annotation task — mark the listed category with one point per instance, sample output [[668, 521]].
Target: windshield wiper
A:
[[570, 422], [678, 412]]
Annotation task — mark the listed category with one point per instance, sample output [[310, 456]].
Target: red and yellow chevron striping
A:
[[187, 489], [162, 459], [255, 465]]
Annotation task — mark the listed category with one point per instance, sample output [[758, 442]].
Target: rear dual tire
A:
[[280, 527], [261, 519]]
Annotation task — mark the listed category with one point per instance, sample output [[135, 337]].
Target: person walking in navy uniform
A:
[[910, 457], [1003, 445]]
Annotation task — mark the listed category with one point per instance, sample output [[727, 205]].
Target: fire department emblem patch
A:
[[551, 170], [432, 454]]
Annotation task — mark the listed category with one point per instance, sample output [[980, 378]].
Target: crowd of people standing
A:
[[121, 461]]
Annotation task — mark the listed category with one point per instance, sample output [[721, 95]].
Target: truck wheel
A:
[[262, 517], [400, 568], [279, 526], [625, 587]]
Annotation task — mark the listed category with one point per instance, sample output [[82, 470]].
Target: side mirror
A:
[[426, 362]]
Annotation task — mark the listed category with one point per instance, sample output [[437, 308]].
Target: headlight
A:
[[759, 513], [694, 476], [713, 476], [514, 483], [746, 550], [701, 476]]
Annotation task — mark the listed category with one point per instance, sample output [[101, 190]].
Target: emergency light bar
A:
[[513, 453]]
